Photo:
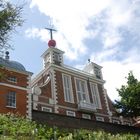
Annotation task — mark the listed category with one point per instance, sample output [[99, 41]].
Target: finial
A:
[[7, 55], [52, 42], [88, 60]]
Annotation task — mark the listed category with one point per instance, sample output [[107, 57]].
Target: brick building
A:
[[64, 90], [15, 87]]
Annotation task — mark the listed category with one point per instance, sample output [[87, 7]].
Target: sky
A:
[[105, 31]]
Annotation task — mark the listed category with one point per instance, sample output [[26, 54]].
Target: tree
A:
[[10, 18], [129, 103]]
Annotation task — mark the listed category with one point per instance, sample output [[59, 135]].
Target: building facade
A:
[[15, 88], [64, 90]]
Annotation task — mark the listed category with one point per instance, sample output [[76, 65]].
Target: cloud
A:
[[115, 24], [115, 73], [35, 32]]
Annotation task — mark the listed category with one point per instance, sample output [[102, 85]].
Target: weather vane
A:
[[51, 32]]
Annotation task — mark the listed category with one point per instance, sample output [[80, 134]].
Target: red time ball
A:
[[52, 43]]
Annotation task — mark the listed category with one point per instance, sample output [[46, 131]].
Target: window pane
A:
[[78, 84], [81, 90], [83, 86]]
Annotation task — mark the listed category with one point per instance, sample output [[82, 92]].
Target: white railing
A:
[[82, 105]]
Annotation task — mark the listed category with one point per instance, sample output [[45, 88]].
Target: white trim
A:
[[79, 73], [107, 105], [86, 116], [100, 114], [11, 106], [52, 105], [70, 113], [35, 106], [46, 109], [54, 90], [29, 98], [70, 88], [99, 118], [116, 121], [13, 86], [127, 123]]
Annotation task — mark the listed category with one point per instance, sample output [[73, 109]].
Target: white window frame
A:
[[80, 93], [95, 95], [101, 119], [86, 116], [11, 99], [12, 79], [116, 121], [67, 88], [70, 113], [46, 109]]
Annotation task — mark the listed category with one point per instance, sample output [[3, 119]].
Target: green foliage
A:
[[100, 135], [14, 127], [10, 18], [129, 104]]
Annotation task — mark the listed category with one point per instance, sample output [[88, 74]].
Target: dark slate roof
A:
[[12, 64]]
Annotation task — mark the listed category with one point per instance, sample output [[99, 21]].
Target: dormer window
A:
[[12, 79]]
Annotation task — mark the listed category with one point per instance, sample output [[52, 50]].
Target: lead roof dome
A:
[[12, 64]]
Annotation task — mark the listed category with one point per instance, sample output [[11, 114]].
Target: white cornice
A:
[[51, 49], [68, 70], [13, 86], [77, 72]]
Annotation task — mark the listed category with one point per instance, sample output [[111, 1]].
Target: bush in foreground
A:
[[14, 127]]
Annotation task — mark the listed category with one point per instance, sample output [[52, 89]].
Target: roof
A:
[[12, 64]]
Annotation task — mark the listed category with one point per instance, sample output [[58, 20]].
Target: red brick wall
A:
[[60, 93], [21, 95], [21, 78]]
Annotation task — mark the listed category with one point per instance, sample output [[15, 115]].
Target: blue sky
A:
[[106, 31]]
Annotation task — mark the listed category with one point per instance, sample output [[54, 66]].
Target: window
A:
[[86, 116], [11, 99], [116, 121], [70, 113], [12, 79], [56, 57], [97, 72], [46, 109], [101, 119], [81, 89], [68, 95], [127, 123], [95, 95]]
